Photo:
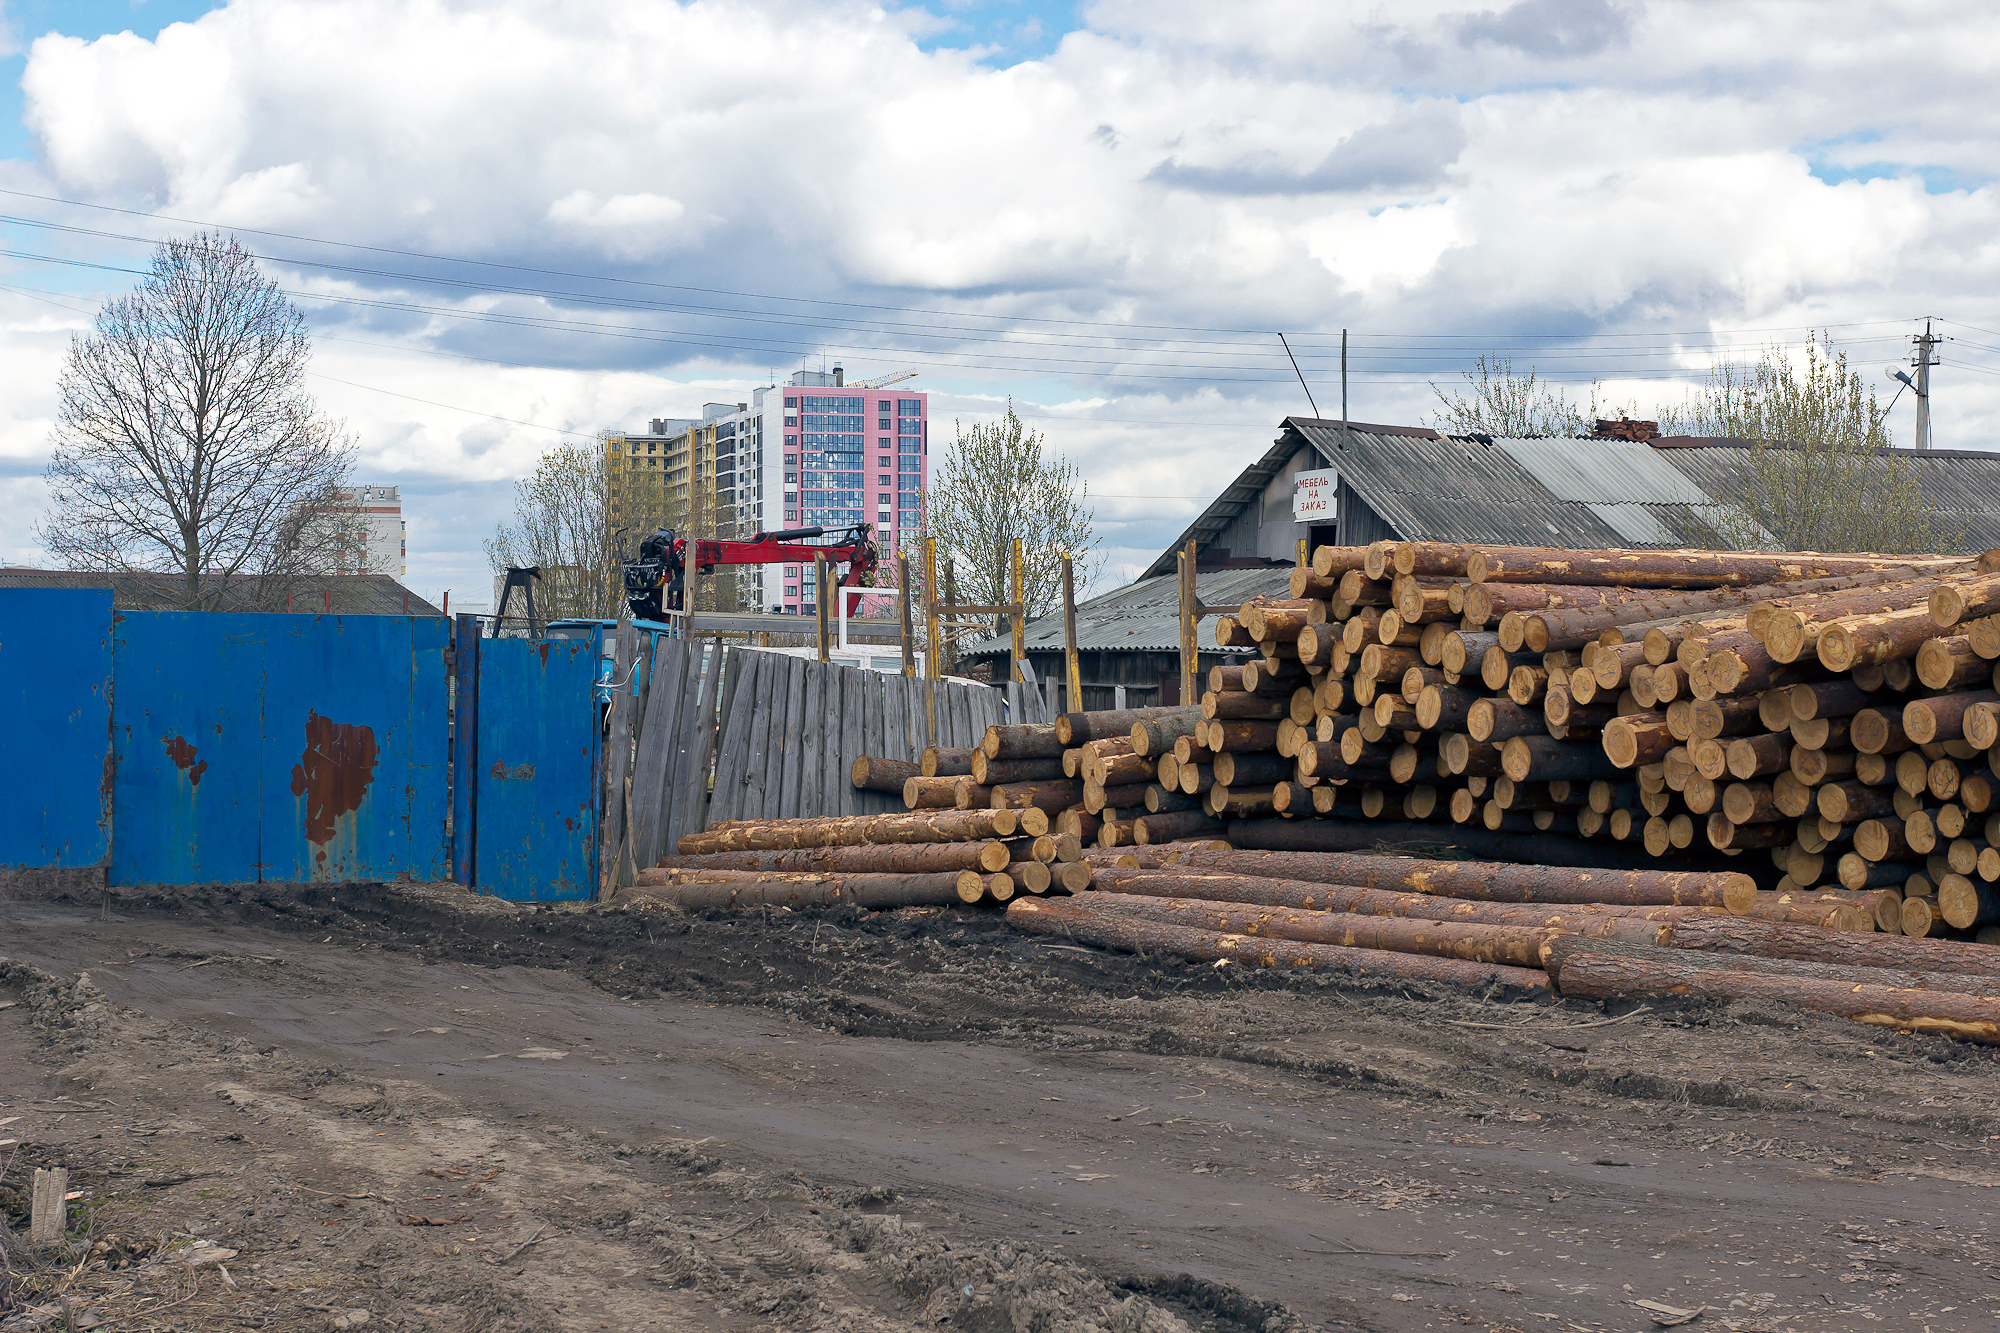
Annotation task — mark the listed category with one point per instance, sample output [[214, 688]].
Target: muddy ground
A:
[[445, 1112]]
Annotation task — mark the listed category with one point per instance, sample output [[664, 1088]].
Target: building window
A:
[[791, 402], [791, 442], [791, 590]]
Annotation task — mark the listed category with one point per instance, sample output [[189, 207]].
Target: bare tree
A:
[[1501, 401], [1819, 474], [562, 526], [996, 483], [185, 441]]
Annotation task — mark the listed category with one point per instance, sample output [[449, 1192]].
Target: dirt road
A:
[[892, 1121]]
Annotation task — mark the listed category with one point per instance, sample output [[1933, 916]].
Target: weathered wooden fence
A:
[[777, 733]]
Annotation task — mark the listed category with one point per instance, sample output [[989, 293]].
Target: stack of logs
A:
[[1835, 714], [1590, 934]]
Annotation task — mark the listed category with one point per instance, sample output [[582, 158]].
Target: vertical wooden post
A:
[[1069, 636], [1188, 651], [933, 649], [819, 587], [909, 640], [618, 757], [1019, 599], [1305, 553]]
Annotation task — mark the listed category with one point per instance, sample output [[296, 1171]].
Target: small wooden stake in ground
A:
[[46, 1220]]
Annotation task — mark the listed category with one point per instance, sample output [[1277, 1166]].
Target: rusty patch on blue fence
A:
[[333, 774], [184, 758]]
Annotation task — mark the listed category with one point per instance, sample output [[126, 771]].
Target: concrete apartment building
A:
[[378, 542], [813, 452]]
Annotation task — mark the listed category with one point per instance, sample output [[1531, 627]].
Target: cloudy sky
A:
[[516, 219]]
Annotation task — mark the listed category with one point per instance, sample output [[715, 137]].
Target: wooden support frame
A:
[[819, 587], [1190, 613], [1074, 680], [909, 642], [1018, 591], [933, 651]]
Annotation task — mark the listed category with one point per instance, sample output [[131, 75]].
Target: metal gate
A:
[[532, 765], [55, 687], [254, 747]]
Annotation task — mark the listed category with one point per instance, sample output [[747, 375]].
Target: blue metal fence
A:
[[55, 685], [531, 766], [278, 747]]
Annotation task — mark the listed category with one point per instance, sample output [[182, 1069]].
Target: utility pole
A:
[[1925, 342]]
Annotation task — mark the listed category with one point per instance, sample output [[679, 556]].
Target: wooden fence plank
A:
[[728, 756], [650, 777], [853, 716], [786, 738], [684, 703], [617, 758], [697, 740], [816, 738], [760, 784]]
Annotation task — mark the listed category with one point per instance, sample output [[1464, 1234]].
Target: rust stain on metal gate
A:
[[184, 758], [333, 774]]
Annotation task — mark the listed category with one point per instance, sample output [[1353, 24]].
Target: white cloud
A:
[[1444, 168]]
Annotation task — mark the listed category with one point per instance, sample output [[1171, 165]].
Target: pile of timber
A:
[[1129, 777], [1827, 722], [1584, 933]]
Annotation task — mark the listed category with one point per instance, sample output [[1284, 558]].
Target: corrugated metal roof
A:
[[141, 590], [1144, 616], [1962, 486], [1626, 483], [1454, 488]]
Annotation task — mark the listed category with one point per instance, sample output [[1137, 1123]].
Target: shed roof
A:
[[145, 590], [1142, 616]]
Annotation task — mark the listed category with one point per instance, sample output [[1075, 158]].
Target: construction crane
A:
[[657, 581], [883, 381]]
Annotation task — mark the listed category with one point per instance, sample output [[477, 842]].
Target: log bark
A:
[[970, 795], [1037, 740], [1960, 596], [1943, 717], [1050, 797], [946, 762], [1852, 802], [1874, 639], [1642, 738], [932, 793], [1240, 707], [853, 830], [1514, 946], [1678, 569], [875, 892], [1075, 729], [1170, 827], [1249, 770], [1543, 758], [994, 772], [1330, 562], [1444, 707], [893, 858], [1098, 798], [1241, 736], [1164, 801], [1774, 939], [1498, 720], [1951, 664], [1118, 770], [1563, 948], [1340, 835], [1605, 976], [1079, 919], [869, 773], [1465, 650], [1486, 881]]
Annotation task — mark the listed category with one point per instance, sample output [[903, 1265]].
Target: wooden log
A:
[[1485, 881], [1035, 740], [1772, 939], [1466, 650], [1079, 919], [1098, 798], [1545, 759], [1080, 823], [1176, 825], [1197, 778], [1879, 731], [1875, 639], [1542, 848], [1074, 729], [932, 793], [994, 772], [893, 858], [1515, 946], [850, 830], [1607, 976], [1498, 720], [1114, 770], [1642, 738], [1943, 717], [1826, 699], [1678, 569], [1966, 903], [1229, 634], [1758, 756], [1950, 664], [1239, 735], [1444, 707], [969, 795], [1433, 559], [1382, 662], [1852, 802], [1161, 800], [1237, 706], [1250, 769], [1050, 797], [946, 762], [869, 773], [873, 891]]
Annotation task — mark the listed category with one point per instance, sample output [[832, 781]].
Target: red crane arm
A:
[[709, 554]]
